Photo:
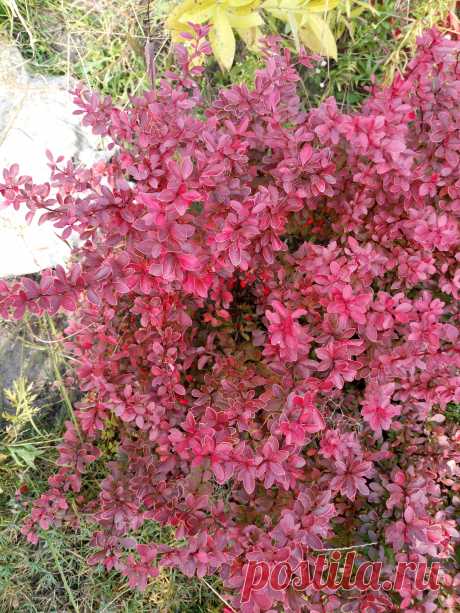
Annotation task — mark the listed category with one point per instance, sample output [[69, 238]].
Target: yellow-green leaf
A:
[[240, 3], [175, 22], [292, 5], [251, 37], [243, 22], [282, 8], [180, 9], [198, 15], [321, 6], [366, 7], [317, 36], [294, 25], [26, 453], [222, 39]]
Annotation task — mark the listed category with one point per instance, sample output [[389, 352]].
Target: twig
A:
[[214, 591], [149, 51], [12, 5], [61, 572], [64, 338], [55, 358], [345, 548]]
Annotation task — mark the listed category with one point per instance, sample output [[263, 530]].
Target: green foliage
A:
[[363, 48], [373, 43], [453, 412]]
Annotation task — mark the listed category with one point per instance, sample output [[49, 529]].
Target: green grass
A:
[[362, 55], [98, 41], [54, 576]]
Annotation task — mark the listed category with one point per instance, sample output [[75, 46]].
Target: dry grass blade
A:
[[13, 7]]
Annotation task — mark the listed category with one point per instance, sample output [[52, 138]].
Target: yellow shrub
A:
[[306, 19]]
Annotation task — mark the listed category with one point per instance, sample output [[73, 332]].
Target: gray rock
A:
[[19, 360], [36, 114]]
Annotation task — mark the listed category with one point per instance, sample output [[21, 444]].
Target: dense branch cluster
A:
[[264, 311]]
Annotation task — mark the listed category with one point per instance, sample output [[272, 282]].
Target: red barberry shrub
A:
[[265, 304]]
